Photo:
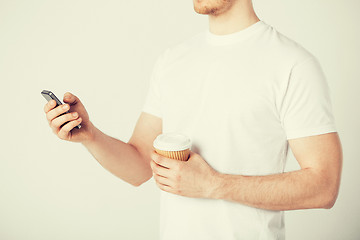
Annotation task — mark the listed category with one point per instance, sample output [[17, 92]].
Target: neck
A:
[[239, 16]]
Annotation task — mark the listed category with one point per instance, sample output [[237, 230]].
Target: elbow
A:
[[139, 182], [136, 184], [324, 193], [328, 199], [329, 191], [145, 173]]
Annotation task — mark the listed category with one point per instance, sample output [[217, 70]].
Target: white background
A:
[[104, 52]]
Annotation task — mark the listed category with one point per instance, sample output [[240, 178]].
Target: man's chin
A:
[[212, 7], [204, 11], [199, 11]]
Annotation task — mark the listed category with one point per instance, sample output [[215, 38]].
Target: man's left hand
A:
[[193, 178]]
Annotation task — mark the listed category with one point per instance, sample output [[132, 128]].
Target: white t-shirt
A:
[[239, 97]]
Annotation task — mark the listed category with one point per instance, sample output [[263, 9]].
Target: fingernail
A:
[[68, 95], [65, 107], [75, 114]]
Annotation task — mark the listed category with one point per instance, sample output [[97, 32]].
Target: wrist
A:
[[91, 134], [225, 186], [217, 186]]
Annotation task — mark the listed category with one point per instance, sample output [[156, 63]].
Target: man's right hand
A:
[[77, 114], [128, 161]]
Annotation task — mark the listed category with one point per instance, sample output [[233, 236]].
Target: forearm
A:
[[301, 189], [120, 158]]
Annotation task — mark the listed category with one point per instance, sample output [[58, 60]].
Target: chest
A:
[[235, 88]]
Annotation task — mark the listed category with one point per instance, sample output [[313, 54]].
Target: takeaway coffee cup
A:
[[173, 145]]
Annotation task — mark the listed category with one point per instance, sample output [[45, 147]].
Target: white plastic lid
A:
[[172, 142]]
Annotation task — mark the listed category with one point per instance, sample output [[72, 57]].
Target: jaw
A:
[[212, 7]]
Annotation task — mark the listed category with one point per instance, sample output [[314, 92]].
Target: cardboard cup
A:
[[173, 145]]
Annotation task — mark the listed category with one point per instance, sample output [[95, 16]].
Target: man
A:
[[243, 93]]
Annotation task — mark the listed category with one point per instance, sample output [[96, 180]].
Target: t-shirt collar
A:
[[231, 38]]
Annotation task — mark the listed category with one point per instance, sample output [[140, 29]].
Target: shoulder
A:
[[283, 48]]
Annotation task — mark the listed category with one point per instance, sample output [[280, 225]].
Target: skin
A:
[[214, 7], [315, 185], [129, 161], [227, 16]]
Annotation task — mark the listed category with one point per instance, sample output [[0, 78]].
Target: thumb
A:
[[70, 98]]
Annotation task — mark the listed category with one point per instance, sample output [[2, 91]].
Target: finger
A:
[[57, 122], [162, 186], [160, 170], [165, 162], [162, 180], [70, 98], [57, 111], [49, 105], [166, 188], [64, 131]]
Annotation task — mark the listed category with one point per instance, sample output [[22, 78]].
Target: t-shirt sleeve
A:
[[306, 108], [152, 103]]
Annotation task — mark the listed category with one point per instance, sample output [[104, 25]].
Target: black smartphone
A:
[[48, 95]]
